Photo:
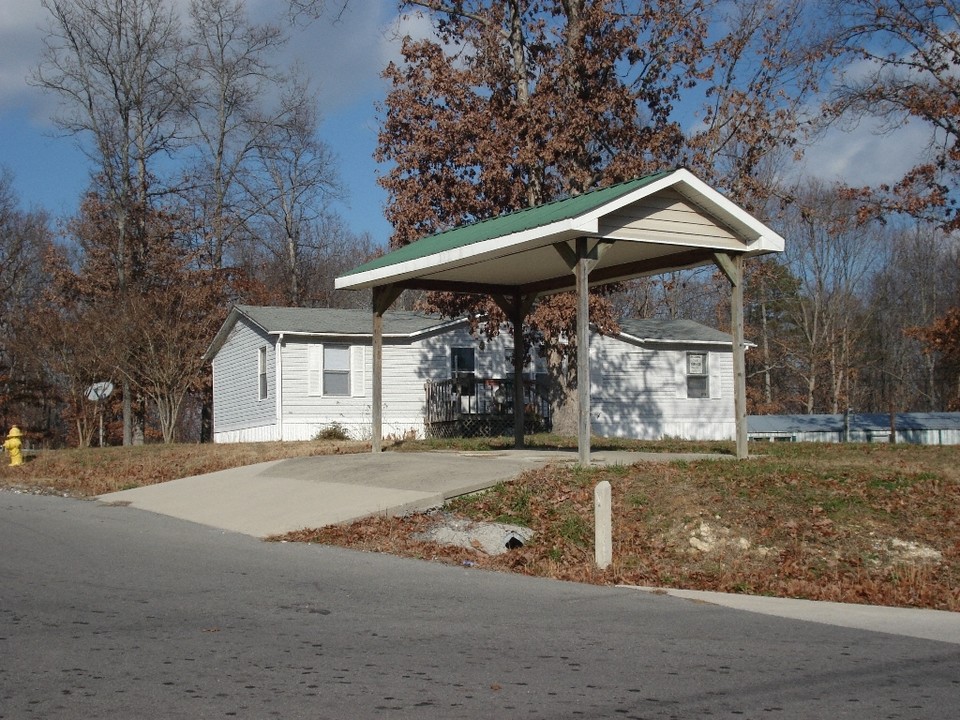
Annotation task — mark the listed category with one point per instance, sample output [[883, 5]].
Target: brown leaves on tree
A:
[[519, 103], [140, 311], [906, 54], [942, 338], [516, 104]]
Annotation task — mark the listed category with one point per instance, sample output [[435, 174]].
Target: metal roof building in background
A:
[[938, 428], [660, 223]]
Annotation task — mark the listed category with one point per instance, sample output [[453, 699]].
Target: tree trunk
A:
[[127, 413], [562, 395], [765, 347], [206, 419]]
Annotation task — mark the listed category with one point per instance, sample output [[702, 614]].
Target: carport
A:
[[656, 224]]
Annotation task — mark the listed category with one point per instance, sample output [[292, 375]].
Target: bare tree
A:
[[230, 75], [917, 285], [314, 9], [833, 257], [294, 179], [114, 64], [771, 292], [899, 60], [758, 89], [24, 389]]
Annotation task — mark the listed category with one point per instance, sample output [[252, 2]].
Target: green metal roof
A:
[[508, 224]]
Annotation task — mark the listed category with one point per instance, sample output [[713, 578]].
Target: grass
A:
[[88, 472], [874, 524]]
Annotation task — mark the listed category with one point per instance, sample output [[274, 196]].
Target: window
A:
[[463, 366], [262, 373], [698, 378], [336, 370]]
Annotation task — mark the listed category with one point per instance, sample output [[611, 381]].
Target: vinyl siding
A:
[[668, 217], [639, 391], [406, 368], [239, 415]]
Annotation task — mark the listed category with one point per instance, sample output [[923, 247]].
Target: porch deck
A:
[[473, 407]]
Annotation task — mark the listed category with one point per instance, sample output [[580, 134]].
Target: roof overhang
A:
[[667, 341], [223, 333], [440, 327], [672, 222], [237, 312]]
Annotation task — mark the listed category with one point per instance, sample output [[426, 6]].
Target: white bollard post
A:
[[603, 524]]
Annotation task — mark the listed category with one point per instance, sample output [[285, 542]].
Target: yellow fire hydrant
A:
[[12, 446]]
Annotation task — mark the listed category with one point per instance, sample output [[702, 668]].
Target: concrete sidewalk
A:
[[919, 623], [277, 497], [284, 495]]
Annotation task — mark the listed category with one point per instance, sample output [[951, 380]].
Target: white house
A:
[[662, 378], [288, 373]]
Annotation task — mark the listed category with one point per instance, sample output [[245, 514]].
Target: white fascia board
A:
[[438, 262], [667, 341], [629, 198], [751, 249], [701, 194], [442, 327], [664, 341]]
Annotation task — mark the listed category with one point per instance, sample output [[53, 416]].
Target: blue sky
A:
[[344, 60]]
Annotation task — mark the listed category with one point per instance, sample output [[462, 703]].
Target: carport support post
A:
[[582, 271], [518, 409], [383, 298], [516, 308], [732, 267], [581, 262]]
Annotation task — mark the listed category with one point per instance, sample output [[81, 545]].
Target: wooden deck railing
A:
[[453, 400]]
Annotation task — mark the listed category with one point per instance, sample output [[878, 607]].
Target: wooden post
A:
[[581, 262], [583, 351], [516, 308], [739, 361], [732, 266], [383, 298], [376, 410], [518, 408]]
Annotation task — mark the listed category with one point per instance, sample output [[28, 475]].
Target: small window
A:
[[463, 365], [262, 373], [698, 378], [336, 370]]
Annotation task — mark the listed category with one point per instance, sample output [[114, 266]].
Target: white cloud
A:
[[20, 47], [864, 155], [344, 57], [415, 24]]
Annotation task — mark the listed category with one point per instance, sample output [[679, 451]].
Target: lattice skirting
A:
[[482, 426]]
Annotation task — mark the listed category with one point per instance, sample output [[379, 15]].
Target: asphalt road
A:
[[112, 612]]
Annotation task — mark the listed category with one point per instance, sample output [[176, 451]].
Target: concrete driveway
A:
[[277, 497]]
